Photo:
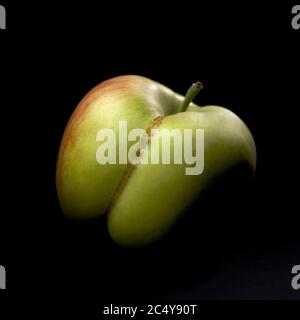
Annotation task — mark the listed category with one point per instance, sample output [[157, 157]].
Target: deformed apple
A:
[[143, 201]]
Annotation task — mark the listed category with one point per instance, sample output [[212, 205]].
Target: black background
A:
[[247, 56]]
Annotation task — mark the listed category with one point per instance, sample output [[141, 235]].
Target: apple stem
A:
[[190, 95]]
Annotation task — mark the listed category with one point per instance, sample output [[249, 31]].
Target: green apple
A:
[[143, 201]]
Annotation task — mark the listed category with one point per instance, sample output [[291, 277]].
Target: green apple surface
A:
[[143, 201]]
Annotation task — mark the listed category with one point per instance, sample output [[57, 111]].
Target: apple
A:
[[143, 201]]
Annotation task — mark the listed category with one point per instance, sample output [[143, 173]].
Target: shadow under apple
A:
[[221, 221]]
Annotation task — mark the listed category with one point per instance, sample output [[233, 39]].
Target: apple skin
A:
[[144, 201]]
